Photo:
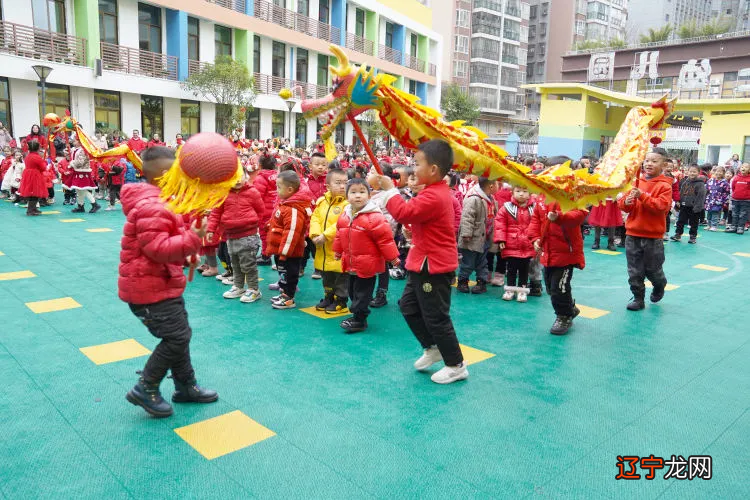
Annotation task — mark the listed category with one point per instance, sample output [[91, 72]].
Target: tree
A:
[[659, 35], [617, 43], [227, 83], [717, 26], [690, 29], [458, 105]]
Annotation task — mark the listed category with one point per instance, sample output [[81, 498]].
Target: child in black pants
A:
[[692, 201]]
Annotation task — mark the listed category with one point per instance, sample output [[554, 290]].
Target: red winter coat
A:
[[5, 165], [49, 176], [317, 186], [364, 241], [152, 143], [432, 227], [155, 243], [503, 195], [239, 215], [38, 138], [457, 209], [265, 184], [511, 227], [741, 187], [33, 183], [561, 240], [675, 189], [288, 226], [137, 144]]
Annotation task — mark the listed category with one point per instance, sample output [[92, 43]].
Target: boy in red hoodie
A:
[[647, 205], [432, 260], [155, 243], [557, 237], [286, 235]]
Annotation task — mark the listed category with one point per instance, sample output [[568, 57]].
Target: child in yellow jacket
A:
[[322, 232]]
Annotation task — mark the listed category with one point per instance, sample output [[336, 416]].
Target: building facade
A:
[[654, 14], [734, 9], [118, 64]]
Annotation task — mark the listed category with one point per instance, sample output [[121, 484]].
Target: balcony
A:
[[138, 62], [359, 44], [495, 5], [389, 54], [286, 18], [236, 5], [414, 63], [271, 85], [196, 66], [34, 43]]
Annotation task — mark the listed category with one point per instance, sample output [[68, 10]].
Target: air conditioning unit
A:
[[97, 67]]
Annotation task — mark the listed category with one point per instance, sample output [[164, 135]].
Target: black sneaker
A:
[[636, 304], [352, 325], [324, 303], [78, 210], [337, 306], [191, 392], [535, 289], [380, 299], [561, 325], [611, 246], [692, 240], [148, 397], [479, 288], [676, 237], [463, 285], [264, 261], [657, 294], [595, 246]]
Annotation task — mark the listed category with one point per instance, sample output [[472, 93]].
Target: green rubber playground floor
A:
[[306, 411]]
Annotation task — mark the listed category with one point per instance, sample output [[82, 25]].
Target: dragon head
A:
[[354, 91]]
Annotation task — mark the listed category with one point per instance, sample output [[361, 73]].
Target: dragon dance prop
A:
[[357, 89], [56, 124]]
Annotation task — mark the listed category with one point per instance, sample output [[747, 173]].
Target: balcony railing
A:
[[389, 54], [269, 84], [34, 43], [362, 45], [236, 5], [138, 62], [196, 66], [414, 63], [432, 69], [289, 19]]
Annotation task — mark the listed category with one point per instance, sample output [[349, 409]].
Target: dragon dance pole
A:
[[365, 144]]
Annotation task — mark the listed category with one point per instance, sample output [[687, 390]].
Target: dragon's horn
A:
[[344, 67]]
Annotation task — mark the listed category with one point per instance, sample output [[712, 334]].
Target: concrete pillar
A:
[[87, 26]]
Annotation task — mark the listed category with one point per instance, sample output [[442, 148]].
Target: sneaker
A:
[[430, 356], [692, 240], [479, 288], [740, 230], [352, 325], [301, 272], [611, 246], [110, 208], [222, 277], [665, 237], [210, 272], [657, 294], [316, 275], [78, 210], [595, 246], [273, 266], [284, 302], [380, 299], [273, 286], [399, 274], [561, 325], [324, 302], [676, 237], [498, 280], [730, 229], [522, 296], [508, 295], [228, 281], [450, 374], [535, 290], [712, 229], [338, 306], [234, 293], [636, 304], [251, 296], [463, 285], [264, 261]]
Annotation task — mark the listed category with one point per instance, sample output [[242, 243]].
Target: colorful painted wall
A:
[[725, 131]]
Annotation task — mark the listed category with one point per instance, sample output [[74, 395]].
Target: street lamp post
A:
[[290, 104], [43, 72]]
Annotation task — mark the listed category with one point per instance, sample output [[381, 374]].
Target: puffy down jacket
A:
[[239, 215], [510, 228], [365, 241], [289, 225], [323, 222], [561, 239]]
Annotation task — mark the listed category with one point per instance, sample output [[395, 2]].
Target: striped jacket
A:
[[289, 224]]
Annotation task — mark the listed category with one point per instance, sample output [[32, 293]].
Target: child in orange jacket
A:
[[647, 205]]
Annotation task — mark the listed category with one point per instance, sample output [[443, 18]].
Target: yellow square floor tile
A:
[[51, 212], [224, 434], [607, 252], [668, 288], [706, 267], [45, 306], [100, 230], [115, 351], [72, 220], [473, 356], [739, 254], [591, 312], [471, 283], [1, 254], [16, 275], [322, 314]]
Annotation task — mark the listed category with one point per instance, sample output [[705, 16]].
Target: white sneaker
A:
[[430, 356], [234, 293], [522, 297], [316, 275], [498, 279], [251, 296], [508, 295], [228, 280], [110, 208], [449, 374], [273, 266], [273, 286]]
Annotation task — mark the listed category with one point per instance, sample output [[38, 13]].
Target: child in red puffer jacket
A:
[[364, 243], [512, 222]]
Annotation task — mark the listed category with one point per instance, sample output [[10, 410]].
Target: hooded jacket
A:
[[327, 211], [477, 220], [365, 241], [239, 215], [288, 226], [648, 213], [155, 243], [741, 187], [561, 240], [511, 227]]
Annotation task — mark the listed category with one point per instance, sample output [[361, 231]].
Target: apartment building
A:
[[118, 64], [734, 9], [645, 14]]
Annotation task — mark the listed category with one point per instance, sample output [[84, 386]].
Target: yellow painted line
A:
[[100, 230], [473, 356], [72, 220], [224, 434], [1, 254], [706, 267], [45, 306], [607, 252], [741, 254], [471, 283], [51, 212], [591, 312], [16, 275], [322, 314], [115, 351], [668, 288]]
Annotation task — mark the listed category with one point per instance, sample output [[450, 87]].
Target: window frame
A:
[[103, 15], [194, 36], [274, 59], [219, 31], [184, 104], [306, 60], [49, 87], [108, 110], [151, 27], [61, 22], [8, 122], [160, 131]]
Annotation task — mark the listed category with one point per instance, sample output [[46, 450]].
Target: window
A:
[[508, 77], [542, 49], [303, 7], [223, 41], [300, 131], [512, 30], [532, 52], [194, 39], [5, 118], [106, 111], [545, 9], [540, 69], [389, 35], [277, 124], [413, 45], [510, 53], [359, 24], [484, 22], [746, 150], [48, 15], [108, 21], [462, 44], [190, 118], [413, 87], [532, 11], [324, 9], [252, 124], [542, 29], [280, 3], [278, 61], [323, 70], [256, 53], [487, 98], [152, 116], [57, 99], [149, 28], [462, 18], [302, 65], [485, 48], [484, 73], [460, 69], [581, 27], [340, 132]]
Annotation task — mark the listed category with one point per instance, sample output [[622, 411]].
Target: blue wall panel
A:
[[177, 40]]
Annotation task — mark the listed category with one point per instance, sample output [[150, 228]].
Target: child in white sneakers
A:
[[511, 226]]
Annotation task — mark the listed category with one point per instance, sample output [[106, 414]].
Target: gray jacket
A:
[[472, 233]]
